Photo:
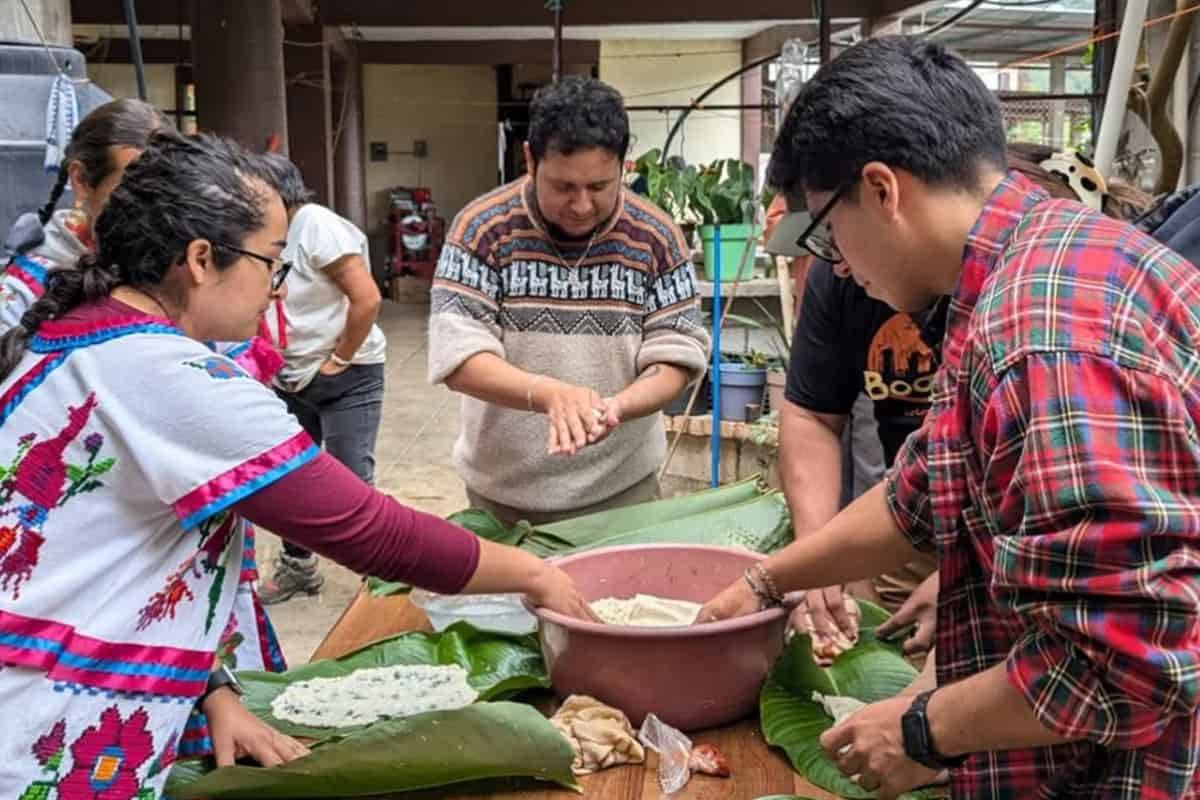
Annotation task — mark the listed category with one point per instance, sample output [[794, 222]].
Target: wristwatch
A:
[[220, 678], [918, 741]]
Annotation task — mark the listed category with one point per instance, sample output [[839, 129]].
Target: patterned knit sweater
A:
[[502, 288]]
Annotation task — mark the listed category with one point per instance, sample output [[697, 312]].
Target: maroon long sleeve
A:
[[324, 507]]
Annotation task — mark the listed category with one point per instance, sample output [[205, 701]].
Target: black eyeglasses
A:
[[817, 237], [279, 267]]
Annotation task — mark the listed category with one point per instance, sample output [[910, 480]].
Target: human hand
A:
[[919, 609], [869, 749], [236, 733], [331, 368], [555, 590], [576, 415], [831, 617], [737, 600]]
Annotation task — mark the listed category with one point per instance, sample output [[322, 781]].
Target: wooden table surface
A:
[[757, 769]]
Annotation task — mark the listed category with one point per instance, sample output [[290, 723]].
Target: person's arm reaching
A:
[[324, 507]]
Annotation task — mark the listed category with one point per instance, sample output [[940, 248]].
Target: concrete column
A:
[[237, 61], [310, 108], [350, 182], [752, 119], [1058, 108], [53, 19]]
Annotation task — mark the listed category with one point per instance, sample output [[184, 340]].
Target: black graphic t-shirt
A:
[[846, 342]]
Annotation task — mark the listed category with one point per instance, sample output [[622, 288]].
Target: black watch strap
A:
[[918, 741], [220, 678]]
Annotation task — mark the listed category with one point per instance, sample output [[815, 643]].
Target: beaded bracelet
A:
[[772, 590], [765, 600]]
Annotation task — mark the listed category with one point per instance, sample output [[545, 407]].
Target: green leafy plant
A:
[[668, 187], [723, 193], [756, 359]]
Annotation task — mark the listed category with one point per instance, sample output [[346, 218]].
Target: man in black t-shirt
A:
[[847, 343]]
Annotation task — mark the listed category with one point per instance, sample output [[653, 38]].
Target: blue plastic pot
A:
[[741, 386]]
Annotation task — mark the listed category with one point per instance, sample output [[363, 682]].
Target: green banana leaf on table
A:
[[485, 740], [791, 720], [743, 514], [498, 666]]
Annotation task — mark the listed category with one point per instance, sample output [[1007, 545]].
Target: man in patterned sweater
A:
[[565, 312], [1057, 473]]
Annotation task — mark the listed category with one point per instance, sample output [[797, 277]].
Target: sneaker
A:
[[293, 576]]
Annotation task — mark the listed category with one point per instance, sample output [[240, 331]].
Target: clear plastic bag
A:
[[674, 753]]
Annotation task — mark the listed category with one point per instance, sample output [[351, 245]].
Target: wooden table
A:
[[757, 769]]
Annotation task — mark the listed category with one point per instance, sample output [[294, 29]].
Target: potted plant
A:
[[669, 187], [742, 381], [723, 196]]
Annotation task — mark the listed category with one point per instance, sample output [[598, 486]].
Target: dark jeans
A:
[[341, 412]]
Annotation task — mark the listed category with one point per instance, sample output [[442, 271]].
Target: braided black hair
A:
[[182, 188], [120, 123]]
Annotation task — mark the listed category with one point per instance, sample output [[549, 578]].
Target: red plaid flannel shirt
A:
[[1058, 475]]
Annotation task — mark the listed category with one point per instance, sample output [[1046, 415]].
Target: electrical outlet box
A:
[[379, 151], [420, 148]]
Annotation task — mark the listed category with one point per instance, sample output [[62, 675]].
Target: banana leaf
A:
[[498, 666], [603, 524], [763, 525], [484, 741], [792, 720]]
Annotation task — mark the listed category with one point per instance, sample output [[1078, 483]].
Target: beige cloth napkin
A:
[[600, 735]]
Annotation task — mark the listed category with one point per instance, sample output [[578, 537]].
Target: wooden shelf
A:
[[755, 287]]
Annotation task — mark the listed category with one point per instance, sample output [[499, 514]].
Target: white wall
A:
[[673, 72], [119, 80], [453, 108]]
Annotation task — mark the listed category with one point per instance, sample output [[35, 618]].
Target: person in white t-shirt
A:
[[332, 378]]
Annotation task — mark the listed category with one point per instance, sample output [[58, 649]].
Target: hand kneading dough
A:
[[646, 610], [600, 735]]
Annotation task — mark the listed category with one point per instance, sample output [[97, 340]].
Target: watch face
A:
[[913, 732]]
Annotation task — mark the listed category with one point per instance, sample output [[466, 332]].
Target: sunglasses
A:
[[817, 237], [279, 268]]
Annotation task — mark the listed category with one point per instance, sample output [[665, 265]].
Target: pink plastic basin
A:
[[692, 677]]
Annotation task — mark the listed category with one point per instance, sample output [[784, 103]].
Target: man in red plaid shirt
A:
[[1057, 473]]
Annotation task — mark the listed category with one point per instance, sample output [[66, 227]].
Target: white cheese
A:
[[369, 695]]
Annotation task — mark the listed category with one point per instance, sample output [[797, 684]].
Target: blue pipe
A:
[[715, 380]]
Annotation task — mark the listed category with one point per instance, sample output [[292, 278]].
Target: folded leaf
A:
[[489, 740], [871, 671], [498, 666], [762, 525]]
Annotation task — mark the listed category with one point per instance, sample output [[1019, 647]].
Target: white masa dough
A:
[[838, 707], [646, 610], [369, 695]]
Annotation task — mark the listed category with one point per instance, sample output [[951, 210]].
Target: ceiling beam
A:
[[495, 51], [489, 52], [154, 51], [490, 13]]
